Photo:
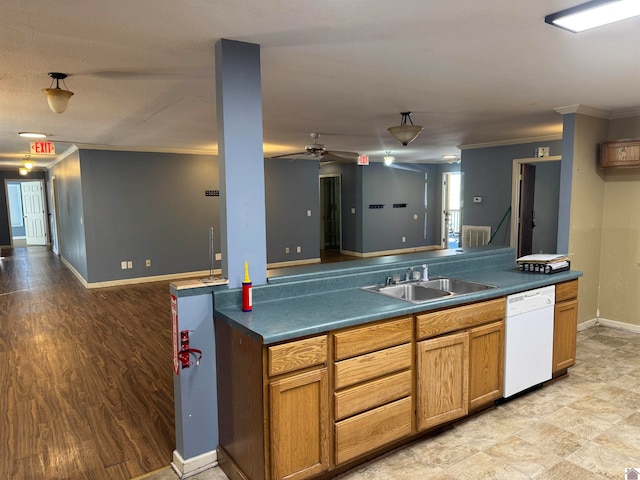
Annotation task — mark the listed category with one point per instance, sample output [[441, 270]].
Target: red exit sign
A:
[[363, 160], [47, 148]]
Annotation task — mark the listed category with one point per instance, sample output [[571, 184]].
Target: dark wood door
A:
[[525, 228]]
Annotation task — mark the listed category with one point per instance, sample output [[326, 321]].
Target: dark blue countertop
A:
[[306, 306]]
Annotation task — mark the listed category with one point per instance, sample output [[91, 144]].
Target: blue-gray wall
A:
[[487, 172], [291, 189], [374, 230], [140, 206], [71, 231]]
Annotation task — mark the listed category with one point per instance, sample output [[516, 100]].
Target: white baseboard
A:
[[391, 252], [189, 467], [630, 327], [293, 263], [137, 280], [588, 324]]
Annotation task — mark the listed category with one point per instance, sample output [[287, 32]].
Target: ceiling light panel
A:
[[594, 14]]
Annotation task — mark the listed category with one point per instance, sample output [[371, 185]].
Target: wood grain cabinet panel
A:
[[372, 365], [442, 370], [360, 340], [456, 318], [486, 364], [565, 327], [372, 394], [299, 425], [363, 433], [565, 330], [620, 154], [292, 356]]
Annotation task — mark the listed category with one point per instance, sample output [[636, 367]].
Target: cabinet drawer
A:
[[370, 338], [364, 433], [372, 365], [292, 356], [566, 290], [372, 394], [457, 318]]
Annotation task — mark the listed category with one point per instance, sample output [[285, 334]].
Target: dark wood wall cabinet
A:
[[620, 154]]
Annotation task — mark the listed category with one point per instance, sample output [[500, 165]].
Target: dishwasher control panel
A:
[[531, 300]]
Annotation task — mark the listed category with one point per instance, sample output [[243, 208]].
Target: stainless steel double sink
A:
[[418, 291]]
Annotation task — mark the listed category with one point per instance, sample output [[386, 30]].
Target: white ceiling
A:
[[471, 71]]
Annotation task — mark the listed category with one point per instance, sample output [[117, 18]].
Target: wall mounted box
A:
[[620, 154]]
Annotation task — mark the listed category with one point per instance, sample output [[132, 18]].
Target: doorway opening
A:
[[535, 205], [330, 213], [450, 226], [27, 212]]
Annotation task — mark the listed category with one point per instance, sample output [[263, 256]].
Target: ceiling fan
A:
[[317, 151]]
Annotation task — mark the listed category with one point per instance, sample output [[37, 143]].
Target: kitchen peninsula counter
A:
[[309, 300]]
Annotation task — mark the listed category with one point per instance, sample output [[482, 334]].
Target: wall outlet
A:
[[123, 265], [298, 249], [477, 199], [353, 210], [404, 239], [147, 262], [129, 264], [308, 213], [286, 249], [218, 256]]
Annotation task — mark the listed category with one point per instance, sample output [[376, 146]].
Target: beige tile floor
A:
[[584, 427]]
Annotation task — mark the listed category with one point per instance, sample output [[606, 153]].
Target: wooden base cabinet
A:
[[459, 361], [565, 327], [299, 424], [486, 364], [442, 369]]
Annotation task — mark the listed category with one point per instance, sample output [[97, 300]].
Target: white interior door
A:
[[34, 214]]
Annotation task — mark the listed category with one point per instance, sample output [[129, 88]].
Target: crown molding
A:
[[635, 112], [515, 141], [584, 110]]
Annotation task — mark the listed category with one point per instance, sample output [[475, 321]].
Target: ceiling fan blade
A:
[[292, 155], [331, 157], [343, 154]]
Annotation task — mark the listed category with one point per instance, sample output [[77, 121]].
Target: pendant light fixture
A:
[[405, 133], [27, 165], [57, 97]]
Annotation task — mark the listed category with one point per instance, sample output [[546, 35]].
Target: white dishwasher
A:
[[528, 350]]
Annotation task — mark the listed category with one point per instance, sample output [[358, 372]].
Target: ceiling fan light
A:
[[388, 159], [57, 98]]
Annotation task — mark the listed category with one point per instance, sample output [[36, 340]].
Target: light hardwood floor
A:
[[86, 388]]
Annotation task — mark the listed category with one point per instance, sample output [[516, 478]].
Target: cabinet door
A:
[[299, 436], [442, 379], [565, 329], [486, 364]]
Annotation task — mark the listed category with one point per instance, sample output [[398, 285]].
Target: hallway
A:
[[85, 375]]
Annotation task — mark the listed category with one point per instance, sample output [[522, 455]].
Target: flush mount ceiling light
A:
[[404, 133], [451, 158], [57, 97], [32, 135], [388, 159], [593, 14]]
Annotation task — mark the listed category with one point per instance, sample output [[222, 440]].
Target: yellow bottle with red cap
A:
[[247, 296]]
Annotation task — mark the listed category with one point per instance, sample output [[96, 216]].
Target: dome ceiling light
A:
[[57, 97], [405, 133]]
